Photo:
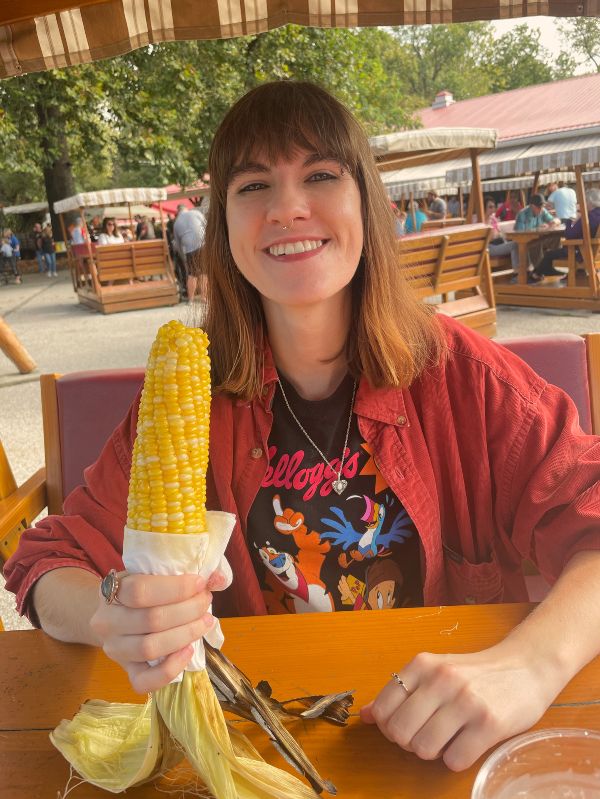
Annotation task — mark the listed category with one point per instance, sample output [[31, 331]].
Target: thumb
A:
[[366, 714]]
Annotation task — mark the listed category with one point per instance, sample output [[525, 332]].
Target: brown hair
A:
[[393, 335]]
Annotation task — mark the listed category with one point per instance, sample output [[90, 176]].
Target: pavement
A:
[[63, 336]]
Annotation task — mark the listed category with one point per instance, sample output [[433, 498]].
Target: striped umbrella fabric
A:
[[43, 34]]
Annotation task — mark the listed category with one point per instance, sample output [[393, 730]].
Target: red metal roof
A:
[[562, 105]]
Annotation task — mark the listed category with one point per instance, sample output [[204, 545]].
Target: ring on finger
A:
[[109, 587], [397, 679]]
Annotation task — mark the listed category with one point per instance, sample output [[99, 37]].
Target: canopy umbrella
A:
[[43, 34], [25, 208]]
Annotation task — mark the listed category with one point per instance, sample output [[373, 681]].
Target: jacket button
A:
[[401, 420], [256, 453]]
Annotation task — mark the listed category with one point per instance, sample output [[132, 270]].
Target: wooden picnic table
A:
[[43, 681], [524, 239]]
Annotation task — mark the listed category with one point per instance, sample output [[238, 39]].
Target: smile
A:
[[295, 247]]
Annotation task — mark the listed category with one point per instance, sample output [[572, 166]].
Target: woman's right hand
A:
[[155, 617]]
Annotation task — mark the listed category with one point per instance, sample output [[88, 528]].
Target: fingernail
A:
[[209, 620], [216, 580]]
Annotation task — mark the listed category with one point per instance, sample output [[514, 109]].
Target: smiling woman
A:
[[376, 456]]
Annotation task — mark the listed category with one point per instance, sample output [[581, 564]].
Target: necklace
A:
[[339, 485]]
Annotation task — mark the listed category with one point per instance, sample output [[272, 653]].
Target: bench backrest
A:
[[438, 262], [132, 259], [433, 224]]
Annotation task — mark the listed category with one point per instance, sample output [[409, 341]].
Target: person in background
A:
[[76, 231], [536, 217], [8, 255], [546, 266], [400, 217], [49, 251], [94, 227], [498, 245], [564, 202], [188, 231], [509, 209], [145, 230], [454, 209], [110, 233], [436, 206], [36, 235], [414, 226], [440, 449]]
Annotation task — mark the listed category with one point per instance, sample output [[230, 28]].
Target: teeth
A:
[[291, 248]]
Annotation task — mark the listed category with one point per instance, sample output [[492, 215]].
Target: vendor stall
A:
[[125, 276]]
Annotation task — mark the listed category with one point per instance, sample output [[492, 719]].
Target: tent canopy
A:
[[43, 34], [26, 208], [99, 199], [412, 148], [548, 156]]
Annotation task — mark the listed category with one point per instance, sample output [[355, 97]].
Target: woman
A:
[[110, 232], [499, 246], [49, 250], [345, 411], [11, 251]]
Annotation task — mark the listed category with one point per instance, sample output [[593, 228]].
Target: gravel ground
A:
[[63, 336]]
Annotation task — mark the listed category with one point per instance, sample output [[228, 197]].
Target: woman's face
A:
[[490, 208], [295, 228]]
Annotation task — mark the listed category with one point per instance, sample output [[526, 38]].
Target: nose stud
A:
[[288, 226]]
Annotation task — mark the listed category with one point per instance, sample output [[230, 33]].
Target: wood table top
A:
[[43, 681]]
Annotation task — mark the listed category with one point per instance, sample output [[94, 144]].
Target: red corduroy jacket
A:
[[487, 458]]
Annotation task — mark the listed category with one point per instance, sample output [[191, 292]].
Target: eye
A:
[[318, 177], [248, 187]]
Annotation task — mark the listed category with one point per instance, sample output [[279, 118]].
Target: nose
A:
[[288, 203]]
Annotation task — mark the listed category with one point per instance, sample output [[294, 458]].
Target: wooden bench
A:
[[571, 262], [500, 265], [451, 269], [435, 224], [125, 277]]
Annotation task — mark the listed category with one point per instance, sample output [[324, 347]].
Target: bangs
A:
[[277, 120]]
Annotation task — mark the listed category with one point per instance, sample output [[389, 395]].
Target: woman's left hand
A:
[[458, 706]]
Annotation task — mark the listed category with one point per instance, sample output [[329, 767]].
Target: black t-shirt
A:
[[312, 549]]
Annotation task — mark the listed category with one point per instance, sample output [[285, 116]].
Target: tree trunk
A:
[[58, 175]]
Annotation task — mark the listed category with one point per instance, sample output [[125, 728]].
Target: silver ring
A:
[[109, 587], [400, 682]]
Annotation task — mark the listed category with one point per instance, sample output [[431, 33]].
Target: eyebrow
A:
[[255, 166]]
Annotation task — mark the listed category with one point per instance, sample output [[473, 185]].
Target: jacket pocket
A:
[[473, 583]]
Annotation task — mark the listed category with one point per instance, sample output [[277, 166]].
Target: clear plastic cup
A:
[[546, 764]]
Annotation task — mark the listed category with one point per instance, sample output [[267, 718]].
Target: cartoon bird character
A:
[[299, 576], [371, 542]]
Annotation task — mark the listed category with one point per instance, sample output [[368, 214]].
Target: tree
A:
[[518, 59], [582, 36]]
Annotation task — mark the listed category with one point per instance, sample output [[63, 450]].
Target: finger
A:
[[385, 704], [435, 735], [470, 744], [138, 648], [145, 678], [142, 621], [151, 590]]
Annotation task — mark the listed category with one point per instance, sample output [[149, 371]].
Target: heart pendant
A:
[[339, 486]]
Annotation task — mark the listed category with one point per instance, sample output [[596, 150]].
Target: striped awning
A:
[[42, 34], [548, 156], [99, 199], [420, 179], [26, 208]]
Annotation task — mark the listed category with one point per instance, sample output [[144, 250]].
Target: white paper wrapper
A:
[[199, 553]]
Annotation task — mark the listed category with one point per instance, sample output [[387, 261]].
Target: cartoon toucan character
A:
[[371, 542]]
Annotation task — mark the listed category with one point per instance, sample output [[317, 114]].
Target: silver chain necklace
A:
[[339, 485]]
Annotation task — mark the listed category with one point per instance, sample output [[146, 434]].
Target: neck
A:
[[308, 345]]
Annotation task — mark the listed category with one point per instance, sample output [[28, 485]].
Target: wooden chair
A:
[[19, 505], [125, 277], [453, 264]]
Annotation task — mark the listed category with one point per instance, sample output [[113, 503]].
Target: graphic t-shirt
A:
[[315, 550]]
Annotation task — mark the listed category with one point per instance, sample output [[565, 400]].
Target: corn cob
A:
[[167, 486]]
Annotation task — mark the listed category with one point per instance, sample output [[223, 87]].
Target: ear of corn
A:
[[117, 746], [167, 485]]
